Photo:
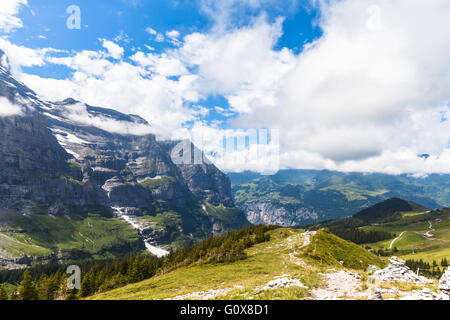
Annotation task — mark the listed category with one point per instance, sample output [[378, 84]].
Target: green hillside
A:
[[285, 255], [409, 239], [74, 236], [328, 249], [388, 209], [398, 227]]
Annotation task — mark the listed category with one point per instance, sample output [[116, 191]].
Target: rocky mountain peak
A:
[[65, 157]]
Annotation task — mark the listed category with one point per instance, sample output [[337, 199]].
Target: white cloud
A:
[[87, 62], [20, 56], [161, 64], [151, 31], [158, 37], [228, 13], [79, 114], [8, 11], [240, 64], [369, 95], [174, 34], [125, 87], [114, 49], [8, 109]]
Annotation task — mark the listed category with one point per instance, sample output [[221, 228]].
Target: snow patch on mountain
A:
[[140, 226]]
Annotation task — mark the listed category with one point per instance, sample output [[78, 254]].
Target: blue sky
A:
[[350, 85], [126, 22], [130, 19]]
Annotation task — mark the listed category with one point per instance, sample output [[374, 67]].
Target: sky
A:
[[262, 85]]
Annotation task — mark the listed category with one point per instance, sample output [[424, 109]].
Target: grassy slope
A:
[[330, 250], [40, 235], [415, 226], [265, 262]]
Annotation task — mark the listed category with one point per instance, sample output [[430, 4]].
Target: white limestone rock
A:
[[444, 283], [398, 271]]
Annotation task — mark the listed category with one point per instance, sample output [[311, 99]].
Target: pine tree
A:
[[27, 289], [3, 293], [48, 287], [43, 287], [86, 285]]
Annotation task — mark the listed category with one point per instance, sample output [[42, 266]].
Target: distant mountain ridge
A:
[[388, 208], [295, 197]]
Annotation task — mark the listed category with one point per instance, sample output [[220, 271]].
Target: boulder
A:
[[444, 283], [282, 282], [425, 294], [398, 271]]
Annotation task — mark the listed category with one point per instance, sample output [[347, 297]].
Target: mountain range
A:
[[78, 181], [298, 197]]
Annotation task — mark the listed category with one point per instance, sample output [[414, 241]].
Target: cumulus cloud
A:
[[173, 34], [142, 88], [240, 64], [162, 64], [114, 49], [151, 31], [8, 11], [89, 63], [369, 95], [228, 13], [21, 56], [158, 37], [78, 113], [8, 109]]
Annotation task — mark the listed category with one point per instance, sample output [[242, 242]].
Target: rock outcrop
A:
[[266, 213], [425, 294], [444, 282], [280, 282], [398, 271]]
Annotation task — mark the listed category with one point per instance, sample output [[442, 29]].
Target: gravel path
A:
[[429, 235], [393, 241], [339, 285]]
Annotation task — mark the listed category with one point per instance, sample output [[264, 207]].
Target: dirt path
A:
[[393, 241], [428, 234], [306, 238], [340, 285]]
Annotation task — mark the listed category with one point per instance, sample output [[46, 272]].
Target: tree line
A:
[[360, 236], [428, 269]]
